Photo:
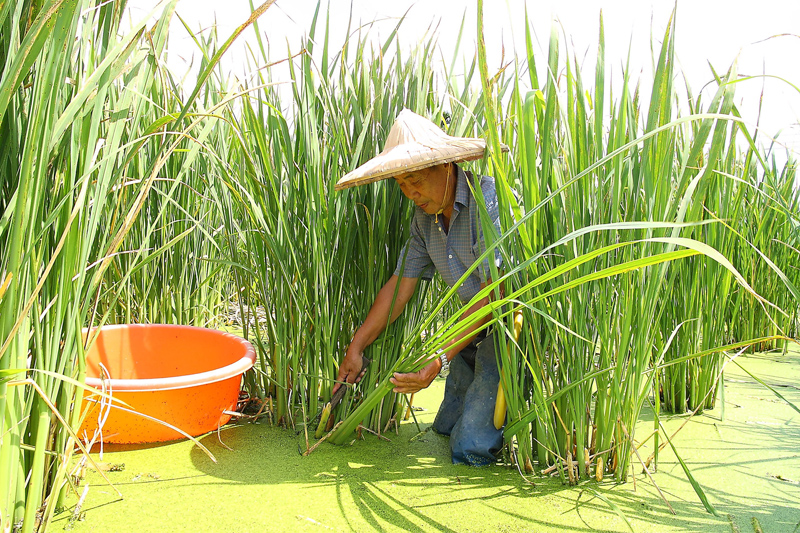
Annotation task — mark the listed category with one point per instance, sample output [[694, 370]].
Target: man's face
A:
[[426, 187]]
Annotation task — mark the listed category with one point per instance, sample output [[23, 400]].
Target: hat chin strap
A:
[[446, 189]]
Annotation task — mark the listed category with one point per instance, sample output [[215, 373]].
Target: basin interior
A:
[[161, 351]]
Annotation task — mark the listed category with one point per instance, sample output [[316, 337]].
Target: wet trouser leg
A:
[[467, 411]]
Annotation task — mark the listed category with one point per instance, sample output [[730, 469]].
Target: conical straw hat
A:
[[414, 143]]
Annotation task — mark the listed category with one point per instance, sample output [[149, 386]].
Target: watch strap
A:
[[445, 370]]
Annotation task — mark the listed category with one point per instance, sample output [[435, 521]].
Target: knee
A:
[[476, 445]]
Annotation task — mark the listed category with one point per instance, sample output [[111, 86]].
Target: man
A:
[[445, 235]]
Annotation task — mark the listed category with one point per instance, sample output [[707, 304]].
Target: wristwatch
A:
[[445, 370]]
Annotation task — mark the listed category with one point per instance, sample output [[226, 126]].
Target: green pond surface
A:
[[747, 460]]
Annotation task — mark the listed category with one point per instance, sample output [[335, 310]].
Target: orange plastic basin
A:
[[182, 375]]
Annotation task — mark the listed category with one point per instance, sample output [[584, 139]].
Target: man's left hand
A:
[[416, 381]]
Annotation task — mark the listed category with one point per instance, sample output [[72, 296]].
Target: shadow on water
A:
[[361, 474], [742, 463], [756, 445], [265, 455], [111, 447]]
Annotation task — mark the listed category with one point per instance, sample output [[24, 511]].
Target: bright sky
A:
[[764, 34]]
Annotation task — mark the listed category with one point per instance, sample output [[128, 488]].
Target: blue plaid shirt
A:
[[452, 252]]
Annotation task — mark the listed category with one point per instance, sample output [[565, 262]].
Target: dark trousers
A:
[[467, 411]]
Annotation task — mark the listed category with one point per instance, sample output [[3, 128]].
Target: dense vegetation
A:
[[646, 244]]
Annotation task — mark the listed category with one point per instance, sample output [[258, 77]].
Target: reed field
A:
[[650, 235]]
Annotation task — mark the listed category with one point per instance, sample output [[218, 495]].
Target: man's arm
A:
[[374, 324], [416, 381]]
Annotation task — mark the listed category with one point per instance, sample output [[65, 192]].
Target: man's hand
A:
[[385, 309], [411, 383], [350, 370]]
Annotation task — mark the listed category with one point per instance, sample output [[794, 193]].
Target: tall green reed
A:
[[600, 342], [308, 260], [616, 195], [84, 144], [616, 224], [58, 173]]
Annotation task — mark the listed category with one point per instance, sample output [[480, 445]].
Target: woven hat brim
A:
[[411, 157]]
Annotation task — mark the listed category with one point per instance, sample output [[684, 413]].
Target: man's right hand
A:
[[350, 370]]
